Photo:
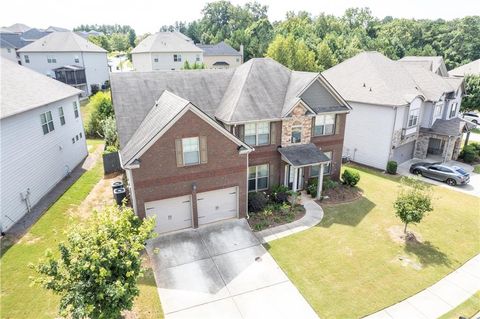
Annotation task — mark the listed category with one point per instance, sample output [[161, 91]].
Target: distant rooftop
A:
[[62, 42], [166, 42], [472, 68], [218, 49]]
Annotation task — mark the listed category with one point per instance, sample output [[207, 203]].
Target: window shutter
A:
[[313, 126], [273, 133], [203, 149], [337, 124], [179, 152], [240, 130]]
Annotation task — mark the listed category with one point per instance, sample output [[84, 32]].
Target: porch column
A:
[[295, 179], [320, 183]]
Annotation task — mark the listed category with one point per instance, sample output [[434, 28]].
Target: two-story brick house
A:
[[194, 143]]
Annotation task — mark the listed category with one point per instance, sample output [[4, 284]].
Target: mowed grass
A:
[[349, 266], [21, 300], [467, 309]]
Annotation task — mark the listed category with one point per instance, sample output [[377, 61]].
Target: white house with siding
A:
[[165, 51], [400, 110], [41, 135], [69, 58]]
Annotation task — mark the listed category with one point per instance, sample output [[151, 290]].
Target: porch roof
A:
[[451, 127], [303, 155]]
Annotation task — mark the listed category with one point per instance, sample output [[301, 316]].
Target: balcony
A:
[[71, 75]]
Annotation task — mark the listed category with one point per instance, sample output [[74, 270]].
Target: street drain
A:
[[258, 259]]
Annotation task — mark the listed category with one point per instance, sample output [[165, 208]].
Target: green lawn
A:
[[18, 298], [467, 309], [85, 110], [348, 266]]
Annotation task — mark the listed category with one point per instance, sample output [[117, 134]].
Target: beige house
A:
[[221, 56]]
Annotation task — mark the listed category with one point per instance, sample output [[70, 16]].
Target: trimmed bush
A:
[[329, 184], [469, 153], [350, 177], [392, 167], [280, 193], [257, 201]]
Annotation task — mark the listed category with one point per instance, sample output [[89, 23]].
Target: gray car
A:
[[452, 175]]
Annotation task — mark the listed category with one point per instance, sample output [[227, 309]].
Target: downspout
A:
[[393, 131], [132, 189]]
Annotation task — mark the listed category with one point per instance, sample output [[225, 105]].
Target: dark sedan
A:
[[452, 175]]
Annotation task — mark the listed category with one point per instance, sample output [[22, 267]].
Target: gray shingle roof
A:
[[62, 42], [432, 63], [18, 28], [472, 68], [14, 40], [166, 42], [370, 77], [163, 112], [452, 127], [255, 90], [218, 49], [34, 34], [24, 89], [303, 155]]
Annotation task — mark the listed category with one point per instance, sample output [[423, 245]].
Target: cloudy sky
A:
[[149, 15]]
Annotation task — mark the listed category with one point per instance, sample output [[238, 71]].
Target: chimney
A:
[[241, 51]]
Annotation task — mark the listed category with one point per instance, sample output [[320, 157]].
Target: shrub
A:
[[468, 154], [102, 108], [280, 193], [109, 128], [476, 145], [110, 149], [328, 183], [257, 201], [312, 186], [350, 177], [392, 167]]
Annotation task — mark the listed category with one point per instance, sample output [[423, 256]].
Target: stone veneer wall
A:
[[451, 148], [397, 140], [298, 118]]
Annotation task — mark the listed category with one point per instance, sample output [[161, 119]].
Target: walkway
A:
[[313, 215], [440, 298]]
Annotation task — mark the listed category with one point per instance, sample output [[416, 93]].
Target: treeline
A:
[[115, 37]]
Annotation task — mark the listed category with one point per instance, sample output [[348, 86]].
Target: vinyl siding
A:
[[145, 61], [30, 159], [142, 62]]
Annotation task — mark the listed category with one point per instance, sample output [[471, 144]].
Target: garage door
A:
[[404, 153], [217, 205], [171, 214]]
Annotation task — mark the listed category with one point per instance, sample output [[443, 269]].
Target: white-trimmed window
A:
[[413, 118], [47, 122], [76, 59], [258, 178], [324, 125], [438, 110], [75, 109], [51, 59], [197, 58], [26, 58], [61, 115], [191, 150], [177, 58], [327, 168], [296, 134], [453, 110], [155, 59], [257, 133]]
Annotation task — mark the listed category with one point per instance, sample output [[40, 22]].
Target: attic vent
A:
[[364, 85], [370, 90]]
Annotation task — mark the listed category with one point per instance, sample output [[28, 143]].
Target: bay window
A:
[[413, 117], [258, 178], [324, 125], [453, 110], [257, 133]]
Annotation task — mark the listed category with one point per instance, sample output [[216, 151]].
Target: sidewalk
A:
[[438, 299], [313, 215]]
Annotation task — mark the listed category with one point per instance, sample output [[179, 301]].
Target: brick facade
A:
[[159, 177]]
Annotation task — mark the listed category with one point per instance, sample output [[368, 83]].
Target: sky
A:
[[149, 15]]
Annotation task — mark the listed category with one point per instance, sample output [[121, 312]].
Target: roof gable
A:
[[166, 42]]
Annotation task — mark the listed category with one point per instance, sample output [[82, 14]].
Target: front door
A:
[[290, 177]]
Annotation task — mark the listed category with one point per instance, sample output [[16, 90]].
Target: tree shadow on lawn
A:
[[350, 214], [427, 253]]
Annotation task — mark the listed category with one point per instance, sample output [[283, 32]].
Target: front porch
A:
[[297, 159]]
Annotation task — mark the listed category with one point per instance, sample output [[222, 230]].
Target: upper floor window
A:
[[47, 122], [51, 59], [197, 58], [324, 125], [413, 117], [177, 58], [155, 59], [191, 151], [438, 110], [26, 58], [296, 134], [76, 59], [75, 109], [258, 178], [453, 110], [61, 115], [257, 133]]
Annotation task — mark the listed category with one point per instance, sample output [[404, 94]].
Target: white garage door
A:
[[217, 205], [171, 214]]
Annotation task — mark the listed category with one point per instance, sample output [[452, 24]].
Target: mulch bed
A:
[[341, 194], [276, 219]]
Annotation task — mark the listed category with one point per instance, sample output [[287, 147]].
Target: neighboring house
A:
[[8, 50], [17, 28], [400, 110], [56, 29], [11, 42], [33, 34], [472, 68], [69, 58], [42, 138], [194, 143], [165, 51], [221, 56], [435, 64]]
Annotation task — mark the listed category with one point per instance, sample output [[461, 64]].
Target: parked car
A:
[[453, 175], [472, 117]]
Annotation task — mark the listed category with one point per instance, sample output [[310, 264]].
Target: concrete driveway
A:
[[222, 271], [472, 188]]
